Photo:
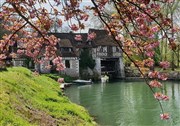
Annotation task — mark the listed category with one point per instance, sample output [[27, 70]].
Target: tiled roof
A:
[[65, 43], [102, 38], [71, 37]]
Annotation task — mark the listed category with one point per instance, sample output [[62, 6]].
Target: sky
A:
[[84, 2]]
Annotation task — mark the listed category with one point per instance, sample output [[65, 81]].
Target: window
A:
[[116, 49], [104, 49], [89, 43], [65, 49], [67, 63]]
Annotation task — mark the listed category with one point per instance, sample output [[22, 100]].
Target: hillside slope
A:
[[27, 99]]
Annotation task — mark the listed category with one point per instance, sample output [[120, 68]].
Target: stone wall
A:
[[73, 70], [174, 75]]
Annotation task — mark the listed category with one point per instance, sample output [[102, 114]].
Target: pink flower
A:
[[74, 27], [164, 116], [155, 44], [164, 64], [155, 83], [150, 53], [20, 51], [61, 80], [119, 37], [2, 56], [78, 38], [60, 67], [155, 6], [165, 97], [155, 29], [84, 17], [151, 46], [59, 21], [13, 55], [91, 36], [139, 20], [162, 76], [32, 14], [149, 62], [160, 96], [48, 66], [153, 74], [58, 62]]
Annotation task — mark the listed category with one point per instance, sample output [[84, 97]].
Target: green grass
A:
[[67, 79], [27, 99]]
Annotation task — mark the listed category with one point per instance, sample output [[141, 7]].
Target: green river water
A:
[[126, 103]]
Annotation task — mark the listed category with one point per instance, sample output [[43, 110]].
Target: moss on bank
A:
[[29, 99]]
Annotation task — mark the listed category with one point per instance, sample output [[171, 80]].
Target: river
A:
[[126, 103]]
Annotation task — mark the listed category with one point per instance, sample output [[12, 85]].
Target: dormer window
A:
[[79, 42], [66, 49]]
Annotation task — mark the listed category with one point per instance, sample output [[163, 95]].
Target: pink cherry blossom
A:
[[60, 67], [91, 36], [84, 17], [149, 62], [48, 67], [59, 21], [74, 27], [150, 53], [2, 56], [78, 38], [119, 37], [155, 84], [57, 60], [164, 116], [162, 76], [13, 55], [20, 51], [153, 74], [160, 96], [164, 64], [165, 97], [60, 80]]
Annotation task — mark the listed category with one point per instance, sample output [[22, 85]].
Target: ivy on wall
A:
[[86, 60]]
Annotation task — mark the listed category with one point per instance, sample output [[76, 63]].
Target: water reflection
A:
[[127, 103]]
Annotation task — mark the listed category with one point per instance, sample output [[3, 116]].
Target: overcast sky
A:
[[84, 2], [47, 6]]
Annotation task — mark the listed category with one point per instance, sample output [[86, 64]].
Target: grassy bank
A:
[[30, 99], [67, 79]]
